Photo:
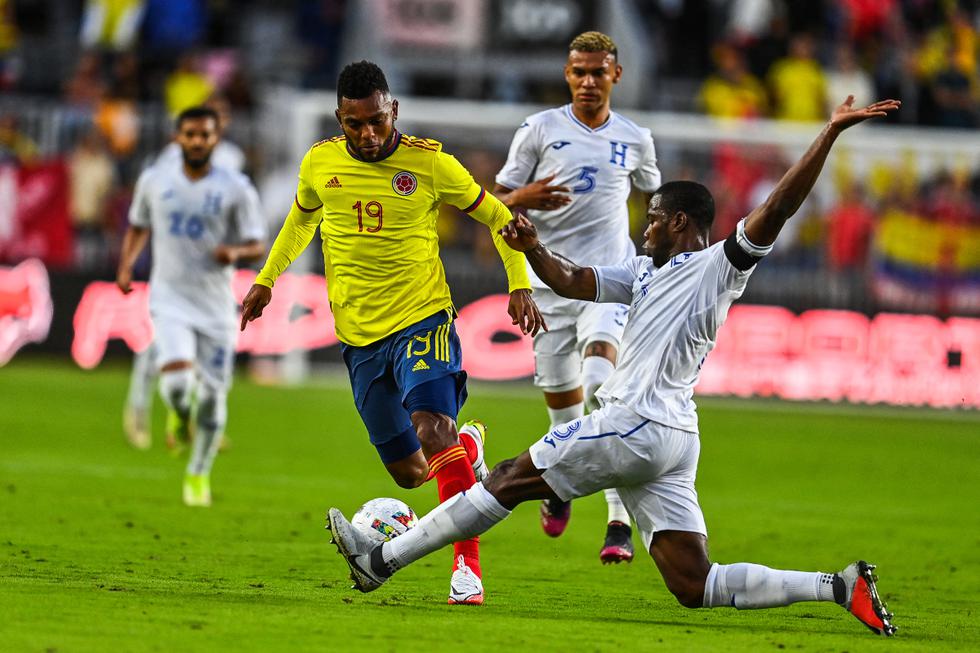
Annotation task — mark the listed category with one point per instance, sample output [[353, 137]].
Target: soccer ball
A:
[[384, 519]]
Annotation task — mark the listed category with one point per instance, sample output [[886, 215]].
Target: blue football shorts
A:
[[414, 369]]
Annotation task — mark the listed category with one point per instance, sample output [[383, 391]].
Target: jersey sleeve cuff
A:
[[598, 286]]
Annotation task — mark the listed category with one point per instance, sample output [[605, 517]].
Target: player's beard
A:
[[198, 163]]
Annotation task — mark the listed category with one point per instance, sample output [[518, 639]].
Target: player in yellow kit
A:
[[375, 194]]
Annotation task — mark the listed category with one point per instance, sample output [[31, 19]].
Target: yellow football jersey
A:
[[378, 225]]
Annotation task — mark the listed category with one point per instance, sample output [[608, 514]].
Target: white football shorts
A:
[[652, 466], [213, 353], [572, 324]]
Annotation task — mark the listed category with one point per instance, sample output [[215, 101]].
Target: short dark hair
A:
[[690, 197], [593, 42], [193, 113], [360, 80]]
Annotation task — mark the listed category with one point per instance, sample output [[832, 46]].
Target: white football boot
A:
[[477, 430], [355, 547], [465, 588]]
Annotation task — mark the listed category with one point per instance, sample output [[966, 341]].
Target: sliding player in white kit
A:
[[585, 159], [204, 219], [142, 378], [644, 438]]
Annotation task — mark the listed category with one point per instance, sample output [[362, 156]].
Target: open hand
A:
[[520, 233], [846, 115], [541, 195], [524, 312], [258, 298]]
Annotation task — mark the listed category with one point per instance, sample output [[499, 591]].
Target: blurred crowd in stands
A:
[[134, 63]]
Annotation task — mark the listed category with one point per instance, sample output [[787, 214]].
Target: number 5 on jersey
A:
[[373, 210]]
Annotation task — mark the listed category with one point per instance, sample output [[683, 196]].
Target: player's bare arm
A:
[[540, 195], [255, 301], [561, 275], [133, 243], [763, 224], [251, 250]]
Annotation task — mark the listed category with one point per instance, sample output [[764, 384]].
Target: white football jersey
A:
[[674, 315], [225, 155], [189, 219], [598, 166]]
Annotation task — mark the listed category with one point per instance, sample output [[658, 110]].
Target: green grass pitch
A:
[[97, 552]]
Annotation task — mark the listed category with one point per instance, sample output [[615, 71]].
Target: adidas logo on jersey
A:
[[333, 183], [420, 365]]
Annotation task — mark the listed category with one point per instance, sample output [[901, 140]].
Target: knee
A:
[[408, 481]]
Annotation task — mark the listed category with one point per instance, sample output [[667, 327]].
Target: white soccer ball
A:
[[384, 519]]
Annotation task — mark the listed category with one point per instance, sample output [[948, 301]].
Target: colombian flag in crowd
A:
[[925, 265]]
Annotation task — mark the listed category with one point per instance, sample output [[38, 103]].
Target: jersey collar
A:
[[571, 116], [391, 149]]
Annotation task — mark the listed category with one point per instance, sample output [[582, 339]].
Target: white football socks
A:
[[571, 413], [176, 388], [617, 511], [140, 396], [212, 414], [747, 586], [465, 515], [595, 371]]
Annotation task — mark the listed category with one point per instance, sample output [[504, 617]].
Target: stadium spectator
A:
[[732, 91], [92, 177], [954, 94], [117, 118], [111, 24], [15, 146], [186, 86], [850, 223], [174, 26], [798, 84], [9, 40], [847, 77]]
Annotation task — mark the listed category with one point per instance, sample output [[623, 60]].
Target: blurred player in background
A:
[[644, 438], [139, 399], [375, 193], [584, 159], [204, 219]]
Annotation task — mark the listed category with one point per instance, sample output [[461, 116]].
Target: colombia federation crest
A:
[[404, 183]]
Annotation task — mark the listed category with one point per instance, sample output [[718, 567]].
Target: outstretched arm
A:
[[765, 222], [561, 275]]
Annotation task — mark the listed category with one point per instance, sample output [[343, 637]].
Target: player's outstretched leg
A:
[[139, 399], [462, 517], [212, 414], [682, 560]]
